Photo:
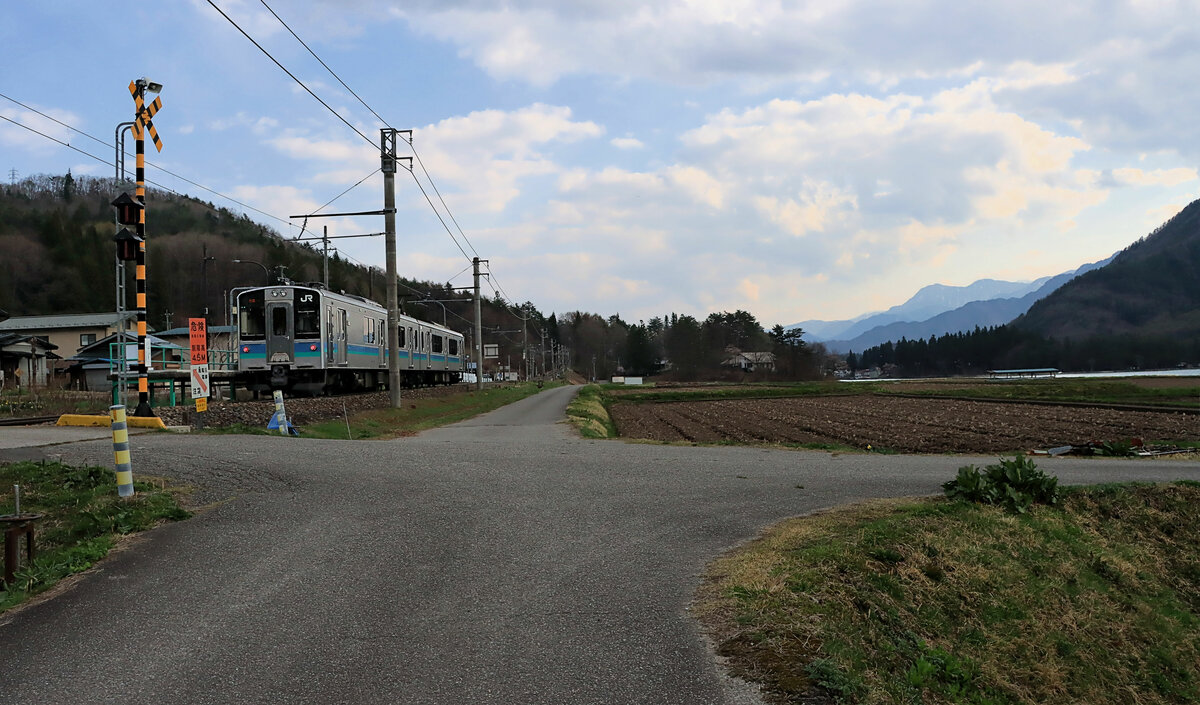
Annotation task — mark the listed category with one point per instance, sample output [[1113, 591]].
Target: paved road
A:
[[502, 560]]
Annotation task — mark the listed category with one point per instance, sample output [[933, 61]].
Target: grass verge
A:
[[83, 518], [588, 413], [934, 601], [420, 414]]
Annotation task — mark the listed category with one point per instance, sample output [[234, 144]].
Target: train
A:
[[306, 339]]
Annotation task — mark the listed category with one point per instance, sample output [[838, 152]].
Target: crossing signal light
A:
[[128, 210]]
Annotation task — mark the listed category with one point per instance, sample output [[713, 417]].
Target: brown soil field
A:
[[899, 424]]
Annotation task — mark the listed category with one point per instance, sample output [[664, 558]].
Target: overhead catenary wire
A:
[[314, 55], [379, 117], [149, 163], [292, 75]]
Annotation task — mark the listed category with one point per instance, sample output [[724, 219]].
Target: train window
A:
[[252, 321], [437, 343], [279, 320], [367, 332], [453, 346], [308, 316]]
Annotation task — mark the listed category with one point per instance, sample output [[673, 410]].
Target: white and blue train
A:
[[310, 340]]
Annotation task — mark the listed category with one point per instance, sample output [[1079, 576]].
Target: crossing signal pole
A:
[[142, 125]]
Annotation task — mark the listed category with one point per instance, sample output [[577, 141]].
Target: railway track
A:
[[28, 420]]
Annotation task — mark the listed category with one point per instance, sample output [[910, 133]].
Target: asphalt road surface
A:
[[501, 560]]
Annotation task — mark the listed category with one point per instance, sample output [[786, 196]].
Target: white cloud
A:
[[1155, 177], [626, 143]]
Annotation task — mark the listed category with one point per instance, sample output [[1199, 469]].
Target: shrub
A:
[[1014, 484]]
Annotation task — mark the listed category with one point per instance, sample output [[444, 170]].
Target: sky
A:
[[799, 160]]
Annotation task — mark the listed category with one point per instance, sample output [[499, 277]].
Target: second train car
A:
[[311, 340]]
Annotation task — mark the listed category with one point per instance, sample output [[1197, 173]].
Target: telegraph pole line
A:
[[325, 238], [387, 148], [478, 328]]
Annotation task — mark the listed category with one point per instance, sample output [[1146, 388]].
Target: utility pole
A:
[[387, 155], [204, 277], [325, 236], [478, 328]]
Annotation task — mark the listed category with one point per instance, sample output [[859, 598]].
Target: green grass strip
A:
[[588, 412], [83, 517]]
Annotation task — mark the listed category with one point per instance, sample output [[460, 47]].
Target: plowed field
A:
[[901, 424]]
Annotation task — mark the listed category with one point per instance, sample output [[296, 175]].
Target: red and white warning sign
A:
[[198, 335]]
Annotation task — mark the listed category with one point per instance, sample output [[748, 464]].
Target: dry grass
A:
[[939, 602]]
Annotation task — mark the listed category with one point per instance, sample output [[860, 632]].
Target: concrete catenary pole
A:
[[478, 329], [387, 149]]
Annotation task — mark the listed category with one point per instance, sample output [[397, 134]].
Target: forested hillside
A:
[[1152, 288], [1142, 310], [56, 256]]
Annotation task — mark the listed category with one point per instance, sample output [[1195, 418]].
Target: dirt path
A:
[[902, 424]]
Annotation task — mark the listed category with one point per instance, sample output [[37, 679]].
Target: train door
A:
[[330, 339], [342, 336], [384, 343], [279, 331]]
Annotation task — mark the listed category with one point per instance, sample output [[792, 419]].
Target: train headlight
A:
[[245, 348], [312, 348]]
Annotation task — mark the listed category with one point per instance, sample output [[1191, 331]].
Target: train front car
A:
[[279, 339]]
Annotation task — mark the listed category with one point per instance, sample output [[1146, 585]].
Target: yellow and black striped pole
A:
[[141, 122], [120, 434]]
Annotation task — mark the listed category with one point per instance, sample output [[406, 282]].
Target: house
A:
[[25, 360], [221, 344], [70, 332], [91, 366], [749, 361]]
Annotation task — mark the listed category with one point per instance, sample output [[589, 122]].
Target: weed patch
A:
[[83, 516], [941, 601], [588, 413]]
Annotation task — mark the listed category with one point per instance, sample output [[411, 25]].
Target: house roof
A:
[[70, 320], [184, 330], [12, 338], [100, 347]]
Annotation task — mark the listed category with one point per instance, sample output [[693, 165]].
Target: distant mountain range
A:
[[938, 309]]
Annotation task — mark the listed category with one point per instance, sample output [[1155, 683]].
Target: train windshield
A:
[[308, 315], [252, 321]]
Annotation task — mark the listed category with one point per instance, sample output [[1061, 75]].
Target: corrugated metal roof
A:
[[70, 320], [212, 330]]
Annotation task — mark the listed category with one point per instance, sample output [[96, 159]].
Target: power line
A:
[[439, 215], [439, 195], [55, 139], [149, 163], [291, 75], [314, 54], [385, 122]]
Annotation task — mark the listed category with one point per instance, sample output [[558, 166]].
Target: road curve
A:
[[500, 560]]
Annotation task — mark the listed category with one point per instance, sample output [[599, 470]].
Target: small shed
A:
[[25, 360]]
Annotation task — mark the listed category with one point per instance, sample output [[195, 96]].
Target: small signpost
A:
[[198, 338]]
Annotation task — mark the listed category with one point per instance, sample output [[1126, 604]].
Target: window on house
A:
[[86, 339]]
